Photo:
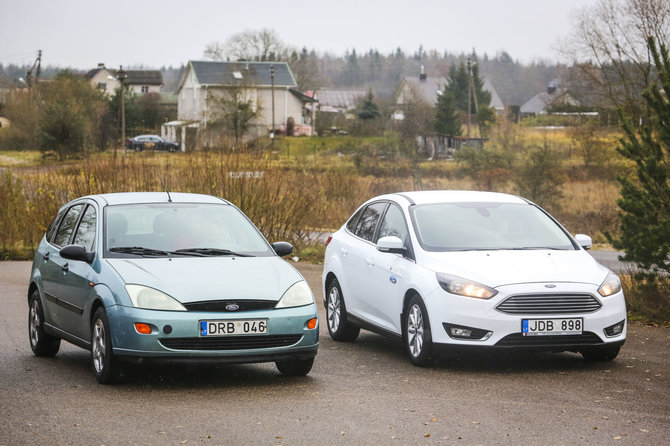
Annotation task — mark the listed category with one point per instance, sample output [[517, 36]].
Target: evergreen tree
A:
[[368, 108], [645, 199], [447, 119]]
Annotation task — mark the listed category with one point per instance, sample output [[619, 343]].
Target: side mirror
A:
[[76, 252], [584, 241], [391, 244], [282, 248]]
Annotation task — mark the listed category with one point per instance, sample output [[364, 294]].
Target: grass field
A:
[[294, 189]]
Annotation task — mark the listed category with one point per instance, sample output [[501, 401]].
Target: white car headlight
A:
[[297, 295], [464, 287], [152, 299], [611, 285]]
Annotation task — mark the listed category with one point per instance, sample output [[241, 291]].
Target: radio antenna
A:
[[164, 186]]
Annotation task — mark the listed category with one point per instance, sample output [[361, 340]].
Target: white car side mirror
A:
[[584, 241], [390, 244]]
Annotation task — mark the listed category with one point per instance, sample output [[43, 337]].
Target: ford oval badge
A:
[[232, 307], [393, 280], [551, 285]]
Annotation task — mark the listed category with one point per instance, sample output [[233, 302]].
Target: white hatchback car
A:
[[449, 269]]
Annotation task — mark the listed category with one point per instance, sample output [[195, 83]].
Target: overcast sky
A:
[[154, 33]]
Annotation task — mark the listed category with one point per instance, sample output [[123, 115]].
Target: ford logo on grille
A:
[[232, 307]]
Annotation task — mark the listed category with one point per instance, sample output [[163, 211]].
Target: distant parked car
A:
[[153, 142], [447, 270], [160, 277]]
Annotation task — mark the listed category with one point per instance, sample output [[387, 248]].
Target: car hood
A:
[[195, 279], [498, 268]]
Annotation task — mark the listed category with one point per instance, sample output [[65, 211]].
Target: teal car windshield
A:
[[486, 226], [197, 229]]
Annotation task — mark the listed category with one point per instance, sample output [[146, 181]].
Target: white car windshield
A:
[[181, 228], [486, 226]]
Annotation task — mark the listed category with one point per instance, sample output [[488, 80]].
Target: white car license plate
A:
[[234, 327], [540, 327]]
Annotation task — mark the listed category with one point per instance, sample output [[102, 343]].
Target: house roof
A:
[[428, 88], [241, 73], [539, 102], [133, 77], [144, 77], [333, 99], [496, 102]]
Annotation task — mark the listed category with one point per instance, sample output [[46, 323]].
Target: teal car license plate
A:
[[540, 327], [234, 327]]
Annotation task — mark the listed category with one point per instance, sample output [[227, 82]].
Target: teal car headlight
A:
[[152, 299], [297, 295], [464, 287], [611, 285]]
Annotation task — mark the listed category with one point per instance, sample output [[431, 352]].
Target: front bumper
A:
[[175, 336], [494, 328]]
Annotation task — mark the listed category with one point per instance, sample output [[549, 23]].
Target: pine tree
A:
[[645, 199], [447, 120], [368, 108]]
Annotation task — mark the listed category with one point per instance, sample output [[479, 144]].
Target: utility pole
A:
[[121, 76], [37, 67], [471, 93], [272, 80]]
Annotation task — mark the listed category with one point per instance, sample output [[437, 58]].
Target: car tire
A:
[[336, 315], [106, 366], [600, 353], [41, 343], [295, 367], [416, 331]]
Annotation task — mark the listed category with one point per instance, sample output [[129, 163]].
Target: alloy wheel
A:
[[98, 346], [334, 309], [415, 330], [34, 323]]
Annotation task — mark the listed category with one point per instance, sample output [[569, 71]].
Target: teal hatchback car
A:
[[158, 276]]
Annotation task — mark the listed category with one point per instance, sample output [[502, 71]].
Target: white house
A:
[[139, 81], [260, 82]]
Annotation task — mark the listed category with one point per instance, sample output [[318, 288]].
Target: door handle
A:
[[65, 267], [45, 256], [345, 251], [370, 261]]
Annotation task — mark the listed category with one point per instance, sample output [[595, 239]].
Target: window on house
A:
[[102, 86], [145, 89]]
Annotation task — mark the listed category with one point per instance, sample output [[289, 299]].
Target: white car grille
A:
[[549, 304]]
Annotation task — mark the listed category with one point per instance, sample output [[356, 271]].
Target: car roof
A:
[[456, 196], [154, 197]]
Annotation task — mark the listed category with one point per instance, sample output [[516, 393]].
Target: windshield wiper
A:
[[139, 250], [211, 252]]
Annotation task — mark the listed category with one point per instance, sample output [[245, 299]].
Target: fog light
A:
[[461, 332], [311, 324], [615, 330], [142, 328]]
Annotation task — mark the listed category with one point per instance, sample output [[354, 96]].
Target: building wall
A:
[[102, 81]]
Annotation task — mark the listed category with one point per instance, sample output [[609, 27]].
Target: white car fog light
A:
[[615, 330]]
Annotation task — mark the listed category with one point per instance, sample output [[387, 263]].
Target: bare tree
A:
[[608, 48], [261, 45]]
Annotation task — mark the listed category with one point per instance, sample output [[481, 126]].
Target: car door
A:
[[356, 264], [389, 272], [54, 268], [75, 289]]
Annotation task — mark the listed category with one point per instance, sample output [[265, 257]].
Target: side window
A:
[[365, 228], [393, 224], [54, 224], [85, 235], [67, 225], [351, 225]]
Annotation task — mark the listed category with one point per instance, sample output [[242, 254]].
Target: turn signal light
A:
[[142, 328], [311, 324]]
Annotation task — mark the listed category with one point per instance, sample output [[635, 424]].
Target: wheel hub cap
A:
[[415, 330]]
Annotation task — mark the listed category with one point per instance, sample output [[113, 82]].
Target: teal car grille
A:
[[230, 343], [225, 306]]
